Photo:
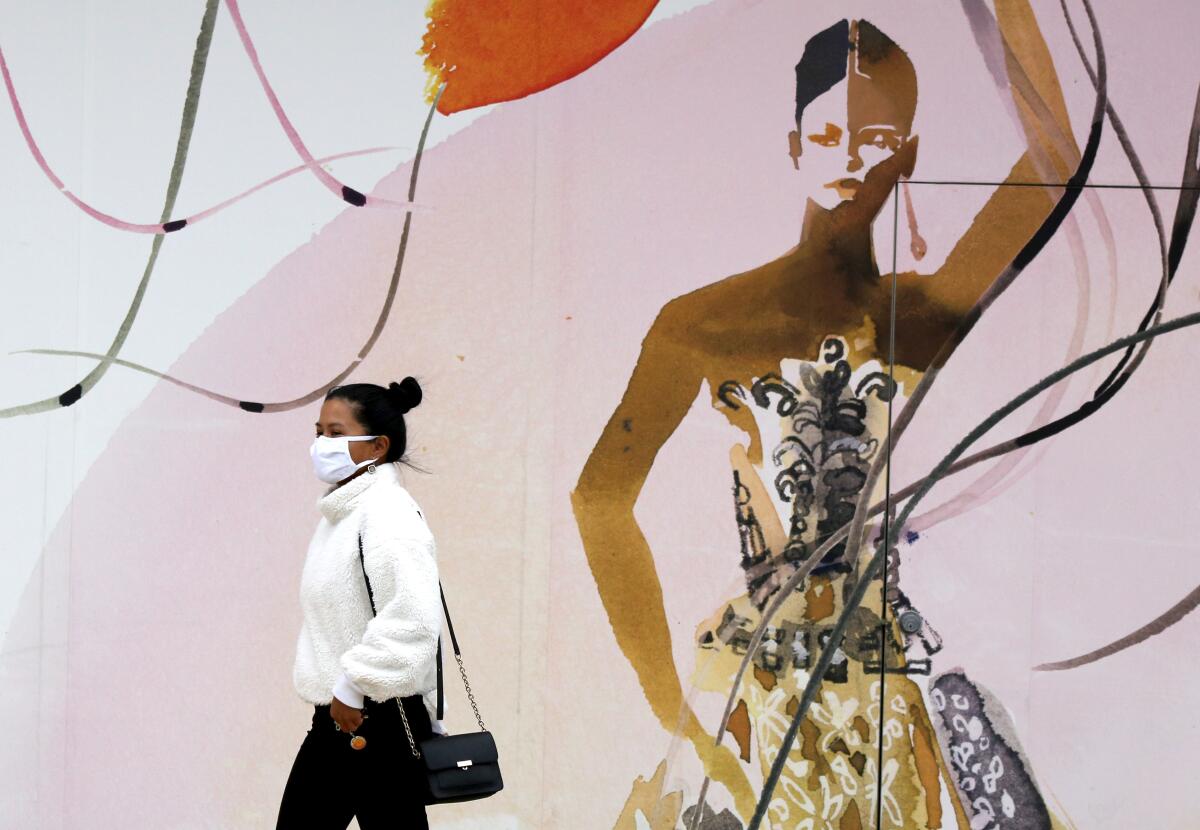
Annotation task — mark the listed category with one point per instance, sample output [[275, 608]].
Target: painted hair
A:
[[381, 410], [822, 64], [826, 56]]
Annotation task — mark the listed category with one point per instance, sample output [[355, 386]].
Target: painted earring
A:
[[916, 242]]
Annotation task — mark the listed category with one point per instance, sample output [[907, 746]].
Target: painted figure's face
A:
[[856, 92], [837, 145]]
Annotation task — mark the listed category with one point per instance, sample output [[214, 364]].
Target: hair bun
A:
[[407, 393]]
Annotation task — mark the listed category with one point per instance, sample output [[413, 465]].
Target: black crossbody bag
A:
[[457, 767]]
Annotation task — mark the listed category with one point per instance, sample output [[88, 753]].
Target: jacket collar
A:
[[339, 502]]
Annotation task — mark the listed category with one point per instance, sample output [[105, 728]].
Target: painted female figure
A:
[[795, 355]]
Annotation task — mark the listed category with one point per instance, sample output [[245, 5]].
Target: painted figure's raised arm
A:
[[1012, 214]]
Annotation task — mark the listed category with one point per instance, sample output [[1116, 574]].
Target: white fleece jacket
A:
[[342, 650]]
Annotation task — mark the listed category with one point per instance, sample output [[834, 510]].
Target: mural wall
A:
[[807, 404]]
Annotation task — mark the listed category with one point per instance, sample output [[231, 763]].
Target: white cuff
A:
[[349, 694]]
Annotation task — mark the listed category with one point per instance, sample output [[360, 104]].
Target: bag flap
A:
[[445, 752], [479, 778]]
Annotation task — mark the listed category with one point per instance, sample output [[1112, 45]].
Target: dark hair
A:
[[381, 410], [824, 62]]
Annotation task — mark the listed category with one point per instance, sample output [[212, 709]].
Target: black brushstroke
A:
[[352, 196], [71, 395], [175, 225], [1185, 215]]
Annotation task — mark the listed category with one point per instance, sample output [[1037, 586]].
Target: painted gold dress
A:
[[819, 426]]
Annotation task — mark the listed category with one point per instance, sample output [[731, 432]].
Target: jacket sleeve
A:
[[400, 643], [349, 694]]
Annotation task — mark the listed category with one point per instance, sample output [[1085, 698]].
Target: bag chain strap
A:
[[470, 696], [412, 744]]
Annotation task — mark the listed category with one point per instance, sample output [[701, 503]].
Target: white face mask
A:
[[331, 457]]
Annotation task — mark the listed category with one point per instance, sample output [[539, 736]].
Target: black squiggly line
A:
[[1185, 214], [983, 16], [285, 406], [191, 106], [728, 390]]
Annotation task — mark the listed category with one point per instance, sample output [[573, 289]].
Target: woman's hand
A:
[[347, 717]]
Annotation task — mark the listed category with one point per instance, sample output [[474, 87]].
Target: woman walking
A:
[[353, 666]]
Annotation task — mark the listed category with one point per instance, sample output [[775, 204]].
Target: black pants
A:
[[381, 784]]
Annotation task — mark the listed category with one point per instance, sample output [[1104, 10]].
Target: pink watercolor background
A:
[[562, 223]]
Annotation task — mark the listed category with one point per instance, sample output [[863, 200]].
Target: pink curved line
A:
[[993, 485], [29, 142], [1004, 474], [299, 168], [1000, 476], [147, 227], [342, 191]]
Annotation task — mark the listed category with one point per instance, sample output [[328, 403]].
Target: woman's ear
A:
[[382, 445]]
